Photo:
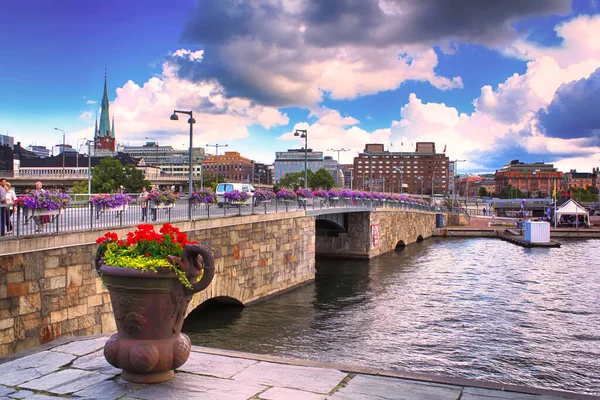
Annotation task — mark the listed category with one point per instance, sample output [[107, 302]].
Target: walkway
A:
[[75, 368]]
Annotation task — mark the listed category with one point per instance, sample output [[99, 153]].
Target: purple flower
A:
[[304, 193], [236, 195], [111, 200], [321, 193], [347, 194], [203, 197], [263, 195], [285, 194], [49, 200]]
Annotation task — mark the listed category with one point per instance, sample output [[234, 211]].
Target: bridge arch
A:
[[400, 245], [419, 238]]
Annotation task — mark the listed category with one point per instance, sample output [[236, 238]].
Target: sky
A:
[[488, 81]]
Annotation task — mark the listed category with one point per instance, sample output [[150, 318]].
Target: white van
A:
[[228, 187]]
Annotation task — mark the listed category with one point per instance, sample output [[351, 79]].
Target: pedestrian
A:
[[10, 201], [155, 190], [38, 220], [143, 199], [3, 209]]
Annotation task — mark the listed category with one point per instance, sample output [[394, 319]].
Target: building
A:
[[330, 165], [262, 174], [348, 171], [469, 186], [40, 151], [6, 140], [581, 179], [59, 148], [293, 161], [104, 135], [231, 166], [423, 171], [533, 180]]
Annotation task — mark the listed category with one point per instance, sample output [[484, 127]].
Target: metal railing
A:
[[85, 216]]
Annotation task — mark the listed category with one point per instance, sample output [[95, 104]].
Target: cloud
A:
[[144, 110], [91, 102], [295, 53], [573, 112], [85, 115]]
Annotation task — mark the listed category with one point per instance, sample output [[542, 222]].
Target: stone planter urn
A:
[[149, 309]]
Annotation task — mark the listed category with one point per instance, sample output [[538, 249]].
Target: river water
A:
[[472, 308]]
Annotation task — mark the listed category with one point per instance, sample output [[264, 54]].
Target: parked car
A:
[[229, 187]]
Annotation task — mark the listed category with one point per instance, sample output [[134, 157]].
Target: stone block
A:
[[77, 311], [29, 303], [51, 262], [21, 370], [50, 332], [94, 300], [55, 282], [16, 289], [34, 271], [87, 290], [66, 381], [69, 326], [74, 276], [6, 323], [15, 277], [7, 335], [215, 365], [86, 321], [58, 316], [108, 323], [81, 347], [33, 286], [49, 273], [29, 342]]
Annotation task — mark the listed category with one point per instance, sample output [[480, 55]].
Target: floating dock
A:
[[520, 241]]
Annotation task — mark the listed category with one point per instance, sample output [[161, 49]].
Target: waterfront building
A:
[[6, 140], [293, 161], [262, 174], [232, 167], [532, 179], [380, 170], [331, 165], [40, 151], [469, 186], [581, 179], [104, 135], [347, 171]]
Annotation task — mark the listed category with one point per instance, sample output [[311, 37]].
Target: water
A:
[[473, 308]]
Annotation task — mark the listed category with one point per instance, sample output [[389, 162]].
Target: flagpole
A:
[[554, 203]]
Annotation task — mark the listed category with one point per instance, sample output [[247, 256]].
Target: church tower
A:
[[104, 137]]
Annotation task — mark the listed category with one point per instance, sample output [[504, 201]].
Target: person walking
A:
[[143, 199], [39, 191], [10, 201], [3, 209]]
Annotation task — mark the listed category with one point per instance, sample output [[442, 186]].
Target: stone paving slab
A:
[[33, 366], [81, 347], [213, 365], [66, 381], [383, 388], [471, 393], [75, 368], [190, 386], [310, 379]]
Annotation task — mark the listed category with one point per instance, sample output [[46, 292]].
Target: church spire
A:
[[104, 134]]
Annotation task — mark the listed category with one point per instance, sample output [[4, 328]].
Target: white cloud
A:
[[85, 115], [91, 102]]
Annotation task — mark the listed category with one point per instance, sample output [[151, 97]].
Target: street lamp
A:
[[455, 163], [156, 143], [216, 146], [89, 143], [191, 121], [304, 135], [421, 179], [338, 164], [399, 169], [63, 151], [83, 140]]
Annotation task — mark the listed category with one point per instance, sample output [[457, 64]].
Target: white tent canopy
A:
[[571, 207]]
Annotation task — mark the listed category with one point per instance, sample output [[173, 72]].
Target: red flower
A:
[[147, 255]]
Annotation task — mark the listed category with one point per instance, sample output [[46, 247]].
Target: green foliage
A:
[[134, 179], [584, 195], [321, 180], [110, 175], [511, 192], [80, 187], [292, 180], [483, 192]]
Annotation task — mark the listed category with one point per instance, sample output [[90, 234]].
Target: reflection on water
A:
[[475, 308]]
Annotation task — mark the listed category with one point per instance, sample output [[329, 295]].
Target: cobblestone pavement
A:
[[75, 368]]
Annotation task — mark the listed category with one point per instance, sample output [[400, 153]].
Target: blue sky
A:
[[490, 82]]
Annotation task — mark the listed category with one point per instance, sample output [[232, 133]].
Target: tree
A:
[[321, 180], [110, 175], [511, 192], [483, 192], [292, 180], [134, 179], [80, 187]]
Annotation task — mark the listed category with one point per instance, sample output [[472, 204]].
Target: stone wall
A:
[[394, 226], [49, 288]]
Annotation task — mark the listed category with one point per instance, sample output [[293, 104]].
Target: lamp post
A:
[[191, 121], [77, 153], [421, 179], [304, 135], [156, 143], [216, 146], [399, 169], [63, 151], [89, 143], [455, 163], [338, 164]]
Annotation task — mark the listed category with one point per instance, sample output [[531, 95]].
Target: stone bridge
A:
[[50, 289]]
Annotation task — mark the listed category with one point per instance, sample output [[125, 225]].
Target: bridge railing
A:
[[20, 221]]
